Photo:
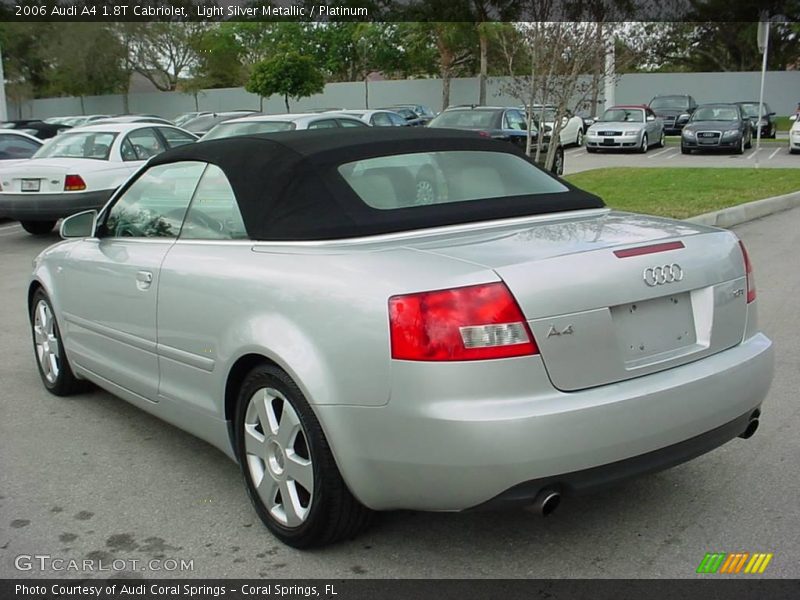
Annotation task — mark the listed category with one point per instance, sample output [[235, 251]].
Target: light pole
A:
[[3, 108], [763, 45]]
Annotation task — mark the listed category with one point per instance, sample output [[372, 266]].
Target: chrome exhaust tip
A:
[[546, 501]]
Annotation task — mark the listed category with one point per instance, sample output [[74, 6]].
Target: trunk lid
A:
[[44, 175], [600, 315]]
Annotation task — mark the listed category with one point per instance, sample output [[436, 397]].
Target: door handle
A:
[[144, 279]]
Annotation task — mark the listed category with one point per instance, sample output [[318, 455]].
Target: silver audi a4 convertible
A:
[[401, 319]]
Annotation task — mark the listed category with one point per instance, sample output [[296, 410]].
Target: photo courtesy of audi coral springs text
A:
[[401, 318]]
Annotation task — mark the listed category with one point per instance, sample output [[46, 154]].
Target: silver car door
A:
[[196, 298], [111, 281]]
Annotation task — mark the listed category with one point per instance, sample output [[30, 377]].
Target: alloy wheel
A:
[[278, 457], [46, 341]]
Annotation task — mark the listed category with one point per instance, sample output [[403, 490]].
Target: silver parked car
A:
[[509, 340], [626, 128]]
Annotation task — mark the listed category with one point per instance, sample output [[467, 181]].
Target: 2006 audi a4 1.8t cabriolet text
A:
[[501, 339]]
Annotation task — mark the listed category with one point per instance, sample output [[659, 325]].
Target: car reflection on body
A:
[[286, 298], [625, 127]]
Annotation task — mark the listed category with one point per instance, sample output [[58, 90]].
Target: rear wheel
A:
[[54, 369], [289, 470], [38, 227]]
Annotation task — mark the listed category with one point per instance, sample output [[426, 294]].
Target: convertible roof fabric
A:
[[289, 189]]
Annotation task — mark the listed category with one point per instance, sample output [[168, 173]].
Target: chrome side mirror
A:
[[80, 225]]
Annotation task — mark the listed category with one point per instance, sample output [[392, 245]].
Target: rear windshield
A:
[[225, 130], [408, 180], [715, 113], [670, 102], [633, 115], [465, 119], [94, 144]]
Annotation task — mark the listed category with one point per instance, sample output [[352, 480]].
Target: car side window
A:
[[155, 203], [145, 144], [513, 120], [16, 146], [176, 137], [381, 120], [214, 213], [323, 124], [396, 120], [351, 123]]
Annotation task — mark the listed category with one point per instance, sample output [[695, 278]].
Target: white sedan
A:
[[794, 136], [253, 124], [79, 170], [571, 125]]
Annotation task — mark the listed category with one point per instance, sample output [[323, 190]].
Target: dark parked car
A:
[[498, 122], [674, 110], [409, 114], [767, 122], [35, 127], [717, 127]]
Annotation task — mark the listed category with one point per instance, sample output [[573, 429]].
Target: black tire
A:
[[558, 163], [685, 150], [644, 147], [662, 141], [579, 137], [740, 147], [749, 143], [38, 227], [63, 382], [333, 513], [591, 150]]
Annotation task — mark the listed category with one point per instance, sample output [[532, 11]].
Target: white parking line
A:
[[753, 153], [575, 151], [660, 153], [671, 156], [771, 156]]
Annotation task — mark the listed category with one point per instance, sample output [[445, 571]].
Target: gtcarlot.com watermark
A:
[[47, 562]]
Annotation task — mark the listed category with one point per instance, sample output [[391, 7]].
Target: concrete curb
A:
[[735, 215]]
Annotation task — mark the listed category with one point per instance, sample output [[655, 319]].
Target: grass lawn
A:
[[684, 192], [783, 123]]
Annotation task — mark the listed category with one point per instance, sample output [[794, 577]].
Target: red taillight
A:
[[74, 183], [748, 270], [470, 323]]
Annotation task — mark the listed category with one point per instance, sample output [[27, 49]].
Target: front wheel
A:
[[579, 137], [54, 369], [740, 148], [289, 470], [662, 140], [685, 150], [38, 227], [643, 147]]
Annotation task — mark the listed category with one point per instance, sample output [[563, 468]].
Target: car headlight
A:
[[731, 133], [631, 133], [795, 133], [688, 133]]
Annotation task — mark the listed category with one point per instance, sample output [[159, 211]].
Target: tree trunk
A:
[[261, 104], [484, 45], [196, 103], [366, 91], [83, 108], [599, 68], [445, 88], [286, 102]]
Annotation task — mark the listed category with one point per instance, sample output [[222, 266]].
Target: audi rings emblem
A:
[[663, 274]]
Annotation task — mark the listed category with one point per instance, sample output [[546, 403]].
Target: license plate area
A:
[[608, 141], [654, 330], [30, 185]]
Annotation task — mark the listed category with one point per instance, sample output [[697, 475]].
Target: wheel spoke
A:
[[53, 344], [289, 426], [301, 471], [43, 317], [271, 421], [53, 364], [45, 362], [268, 491], [38, 334], [254, 442], [292, 509]]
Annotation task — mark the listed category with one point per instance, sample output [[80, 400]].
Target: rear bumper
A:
[[47, 207], [455, 436]]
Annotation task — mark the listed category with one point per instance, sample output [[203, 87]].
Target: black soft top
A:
[[288, 187]]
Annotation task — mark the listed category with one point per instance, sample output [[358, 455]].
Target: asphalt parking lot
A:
[[90, 477], [771, 155]]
